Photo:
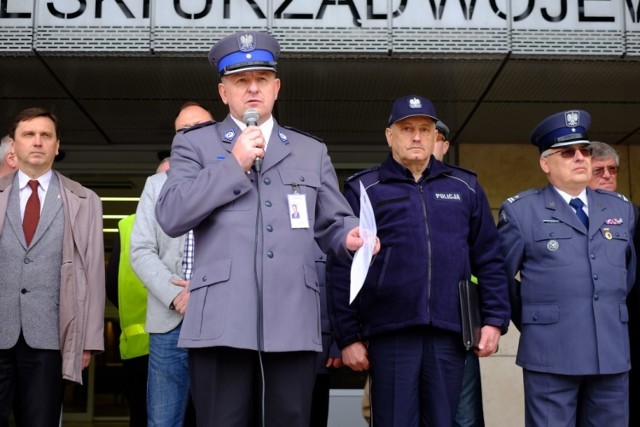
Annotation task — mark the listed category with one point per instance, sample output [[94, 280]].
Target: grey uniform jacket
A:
[[156, 259], [570, 306], [235, 215]]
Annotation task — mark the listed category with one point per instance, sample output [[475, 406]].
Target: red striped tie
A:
[[31, 213]]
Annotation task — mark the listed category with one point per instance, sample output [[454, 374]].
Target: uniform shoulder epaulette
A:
[[303, 133], [362, 172], [613, 194], [469, 171], [198, 126], [522, 195]]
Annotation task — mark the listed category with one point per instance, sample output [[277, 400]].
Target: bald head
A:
[[191, 114]]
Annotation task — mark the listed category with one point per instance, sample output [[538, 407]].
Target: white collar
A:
[[43, 180], [266, 128], [567, 197]]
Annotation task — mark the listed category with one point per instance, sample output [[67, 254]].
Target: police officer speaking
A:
[[252, 324]]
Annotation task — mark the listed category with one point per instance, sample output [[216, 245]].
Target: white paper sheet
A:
[[362, 257]]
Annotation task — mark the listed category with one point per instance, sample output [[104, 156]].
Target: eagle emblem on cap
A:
[[572, 118], [415, 103], [247, 43]]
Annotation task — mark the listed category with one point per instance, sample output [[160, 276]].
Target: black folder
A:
[[470, 313]]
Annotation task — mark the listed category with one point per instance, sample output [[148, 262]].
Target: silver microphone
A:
[[250, 118]]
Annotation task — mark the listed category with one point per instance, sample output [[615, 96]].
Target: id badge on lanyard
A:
[[298, 209]]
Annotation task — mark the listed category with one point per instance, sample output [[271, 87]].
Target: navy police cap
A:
[[561, 129], [442, 128], [245, 51], [409, 106]]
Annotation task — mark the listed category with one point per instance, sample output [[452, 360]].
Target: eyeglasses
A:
[[570, 152], [613, 170]]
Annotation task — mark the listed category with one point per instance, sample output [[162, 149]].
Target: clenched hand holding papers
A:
[[362, 257]]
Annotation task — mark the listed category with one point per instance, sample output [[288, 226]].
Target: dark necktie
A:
[[31, 213], [577, 204]]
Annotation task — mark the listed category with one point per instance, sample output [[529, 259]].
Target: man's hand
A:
[[180, 302], [334, 362], [86, 358], [489, 338], [249, 145], [354, 241], [355, 356]]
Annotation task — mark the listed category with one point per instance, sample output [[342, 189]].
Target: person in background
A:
[[441, 146], [253, 324], [7, 157], [470, 413], [164, 265], [329, 359], [605, 165], [129, 296], [52, 292], [408, 310], [191, 114], [633, 304], [573, 249]]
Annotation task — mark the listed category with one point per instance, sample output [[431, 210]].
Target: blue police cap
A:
[[442, 128], [561, 129], [245, 51], [409, 106]]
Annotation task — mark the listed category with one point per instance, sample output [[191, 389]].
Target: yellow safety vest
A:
[[132, 300]]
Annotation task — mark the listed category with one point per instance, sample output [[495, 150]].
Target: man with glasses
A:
[[573, 249], [605, 165]]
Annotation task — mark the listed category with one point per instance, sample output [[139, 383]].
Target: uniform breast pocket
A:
[[303, 182], [554, 244], [616, 242]]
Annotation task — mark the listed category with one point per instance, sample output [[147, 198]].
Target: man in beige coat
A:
[[51, 277]]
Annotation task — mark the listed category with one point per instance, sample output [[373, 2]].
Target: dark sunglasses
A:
[[570, 152], [613, 170]]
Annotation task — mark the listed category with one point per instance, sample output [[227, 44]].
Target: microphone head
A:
[[251, 117]]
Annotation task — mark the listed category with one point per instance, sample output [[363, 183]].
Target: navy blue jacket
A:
[[434, 233]]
